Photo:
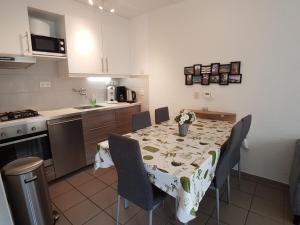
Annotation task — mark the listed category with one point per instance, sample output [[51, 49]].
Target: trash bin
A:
[[27, 192]]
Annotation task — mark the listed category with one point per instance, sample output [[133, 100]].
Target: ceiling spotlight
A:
[[100, 7], [91, 2], [112, 10]]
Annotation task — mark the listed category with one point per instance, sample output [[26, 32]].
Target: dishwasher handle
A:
[[63, 121]]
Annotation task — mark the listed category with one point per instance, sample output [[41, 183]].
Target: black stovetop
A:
[[7, 116]]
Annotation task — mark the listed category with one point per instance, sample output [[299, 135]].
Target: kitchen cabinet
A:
[[84, 46], [97, 125], [115, 45], [15, 35]]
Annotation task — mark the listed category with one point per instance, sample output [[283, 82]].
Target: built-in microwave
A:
[[44, 44]]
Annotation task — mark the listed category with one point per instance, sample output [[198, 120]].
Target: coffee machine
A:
[[125, 95], [111, 94]]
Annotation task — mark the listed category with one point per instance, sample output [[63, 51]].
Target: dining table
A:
[[183, 167]]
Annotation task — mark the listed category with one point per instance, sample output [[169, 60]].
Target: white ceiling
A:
[[132, 8]]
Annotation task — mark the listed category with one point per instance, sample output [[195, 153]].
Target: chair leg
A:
[[125, 203], [150, 217], [228, 189], [218, 205], [118, 209]]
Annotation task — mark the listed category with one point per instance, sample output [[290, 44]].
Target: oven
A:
[[23, 141]]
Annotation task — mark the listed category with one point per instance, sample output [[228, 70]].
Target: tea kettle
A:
[[130, 96]]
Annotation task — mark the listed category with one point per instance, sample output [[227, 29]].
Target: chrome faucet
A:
[[81, 91]]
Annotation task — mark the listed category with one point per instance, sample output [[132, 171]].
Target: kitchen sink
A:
[[88, 107]]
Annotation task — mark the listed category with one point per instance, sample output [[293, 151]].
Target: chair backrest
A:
[[161, 115], [224, 163], [141, 120], [246, 125], [133, 181]]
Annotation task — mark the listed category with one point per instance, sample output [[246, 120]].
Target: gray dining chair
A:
[[236, 157], [133, 182], [141, 120], [161, 115], [223, 169]]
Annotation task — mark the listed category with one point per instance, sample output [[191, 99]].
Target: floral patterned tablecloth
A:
[[183, 167]]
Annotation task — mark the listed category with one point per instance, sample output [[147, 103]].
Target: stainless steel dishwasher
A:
[[67, 144]]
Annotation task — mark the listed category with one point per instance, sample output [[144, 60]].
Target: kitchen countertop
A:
[[65, 112]]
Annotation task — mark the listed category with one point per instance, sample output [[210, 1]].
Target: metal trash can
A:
[[27, 192]]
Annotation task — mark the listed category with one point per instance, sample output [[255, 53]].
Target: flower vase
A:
[[183, 129]]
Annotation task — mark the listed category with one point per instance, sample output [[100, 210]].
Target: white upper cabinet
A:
[[14, 24], [84, 46], [115, 36]]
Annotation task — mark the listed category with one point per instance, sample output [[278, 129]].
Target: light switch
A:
[[45, 84]]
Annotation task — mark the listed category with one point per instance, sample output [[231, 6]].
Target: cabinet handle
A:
[[106, 64], [102, 64], [27, 41]]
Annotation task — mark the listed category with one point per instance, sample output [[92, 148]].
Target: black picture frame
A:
[[214, 78], [235, 68], [224, 79], [235, 78], [206, 69], [215, 67], [197, 69], [197, 79], [205, 79], [224, 68], [189, 79], [189, 70]]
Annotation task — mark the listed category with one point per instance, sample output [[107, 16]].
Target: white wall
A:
[[264, 35]]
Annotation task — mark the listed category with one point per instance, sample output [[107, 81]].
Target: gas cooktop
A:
[[15, 115]]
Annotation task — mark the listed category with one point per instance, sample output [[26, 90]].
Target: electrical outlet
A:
[[45, 84]]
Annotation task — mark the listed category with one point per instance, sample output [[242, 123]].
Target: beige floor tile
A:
[[244, 185], [82, 212], [255, 219], [59, 187], [92, 187], [207, 205], [269, 193], [109, 178], [79, 178], [267, 208], [125, 214], [231, 214], [69, 199], [105, 198], [239, 198], [142, 219], [101, 219]]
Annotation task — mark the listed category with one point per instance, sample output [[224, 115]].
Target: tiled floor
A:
[[89, 198]]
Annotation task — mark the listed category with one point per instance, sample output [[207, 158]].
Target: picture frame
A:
[[235, 78], [197, 79], [224, 68], [205, 79], [235, 68], [224, 79], [197, 69], [205, 69], [189, 70], [215, 67], [214, 78], [189, 79]]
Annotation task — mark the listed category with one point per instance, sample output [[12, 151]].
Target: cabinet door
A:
[[84, 50], [15, 35], [115, 34]]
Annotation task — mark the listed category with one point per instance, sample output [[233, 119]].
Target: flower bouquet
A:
[[184, 119]]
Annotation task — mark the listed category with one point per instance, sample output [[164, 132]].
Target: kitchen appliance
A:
[[18, 115], [67, 144], [121, 94], [28, 138], [130, 96], [16, 62], [44, 45], [28, 193], [111, 93]]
